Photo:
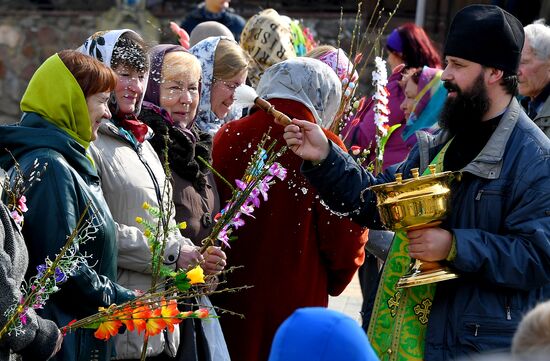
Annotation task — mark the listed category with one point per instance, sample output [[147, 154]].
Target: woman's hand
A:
[[214, 260], [307, 140], [189, 256]]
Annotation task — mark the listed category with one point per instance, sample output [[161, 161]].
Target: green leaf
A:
[[182, 282]]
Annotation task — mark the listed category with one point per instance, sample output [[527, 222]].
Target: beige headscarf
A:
[[267, 38]]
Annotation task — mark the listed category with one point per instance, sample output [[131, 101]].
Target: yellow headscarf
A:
[[54, 94]]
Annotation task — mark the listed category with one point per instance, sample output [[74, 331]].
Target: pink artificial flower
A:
[[18, 218], [222, 236], [263, 187], [246, 209], [21, 204], [237, 222], [23, 316]]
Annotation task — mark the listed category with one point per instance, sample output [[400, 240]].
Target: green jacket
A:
[[55, 133]]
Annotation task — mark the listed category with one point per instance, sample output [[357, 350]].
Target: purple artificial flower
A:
[[246, 209], [263, 187], [60, 276], [237, 222], [278, 171], [254, 198], [240, 184], [41, 268]]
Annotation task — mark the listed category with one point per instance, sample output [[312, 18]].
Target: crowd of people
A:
[[121, 123]]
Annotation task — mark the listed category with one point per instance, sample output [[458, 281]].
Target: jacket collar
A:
[[488, 163]]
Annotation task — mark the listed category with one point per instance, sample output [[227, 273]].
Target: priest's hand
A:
[[307, 140], [430, 244]]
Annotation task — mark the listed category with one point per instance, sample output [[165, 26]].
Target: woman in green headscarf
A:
[[62, 108]]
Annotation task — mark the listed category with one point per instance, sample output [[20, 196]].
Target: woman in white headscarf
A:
[[224, 67]]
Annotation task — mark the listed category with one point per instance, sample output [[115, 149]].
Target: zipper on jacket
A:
[[479, 194], [508, 307]]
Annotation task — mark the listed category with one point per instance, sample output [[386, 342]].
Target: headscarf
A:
[[205, 51], [152, 94], [308, 81], [340, 63], [428, 102], [101, 46], [394, 42], [318, 334], [56, 96], [267, 38]]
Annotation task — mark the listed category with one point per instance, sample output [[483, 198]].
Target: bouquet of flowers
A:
[[50, 274], [16, 186], [360, 42], [260, 174], [151, 312]]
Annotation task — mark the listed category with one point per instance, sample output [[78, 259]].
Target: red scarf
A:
[[134, 126]]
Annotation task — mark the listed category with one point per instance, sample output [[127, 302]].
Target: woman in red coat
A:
[[295, 253]]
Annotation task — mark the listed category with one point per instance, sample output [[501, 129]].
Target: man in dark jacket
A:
[[215, 10], [496, 235]]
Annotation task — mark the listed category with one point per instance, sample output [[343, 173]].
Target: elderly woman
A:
[[224, 67], [170, 108], [295, 252], [64, 104], [132, 174], [534, 74]]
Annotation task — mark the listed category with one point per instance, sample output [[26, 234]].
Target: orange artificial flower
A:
[[125, 316], [155, 324], [201, 313], [169, 312], [140, 315], [107, 329]]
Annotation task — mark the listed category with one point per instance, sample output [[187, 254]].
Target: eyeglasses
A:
[[228, 84]]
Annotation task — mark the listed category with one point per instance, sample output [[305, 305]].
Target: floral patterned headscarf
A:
[[205, 51], [340, 63], [101, 46], [306, 80]]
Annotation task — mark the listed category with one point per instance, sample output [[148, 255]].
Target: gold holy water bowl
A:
[[414, 203]]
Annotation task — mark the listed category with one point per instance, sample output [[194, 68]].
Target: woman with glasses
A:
[[224, 67], [170, 108], [131, 174]]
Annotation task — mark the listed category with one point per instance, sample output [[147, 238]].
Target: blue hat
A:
[[320, 334]]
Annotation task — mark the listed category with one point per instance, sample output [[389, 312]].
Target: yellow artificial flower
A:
[[147, 233], [182, 225], [145, 205], [196, 275], [139, 220]]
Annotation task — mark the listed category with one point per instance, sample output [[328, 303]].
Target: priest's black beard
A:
[[463, 113]]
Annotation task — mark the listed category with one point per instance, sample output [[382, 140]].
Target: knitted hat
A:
[[487, 35]]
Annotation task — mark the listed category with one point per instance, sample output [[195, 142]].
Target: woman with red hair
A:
[[408, 46]]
